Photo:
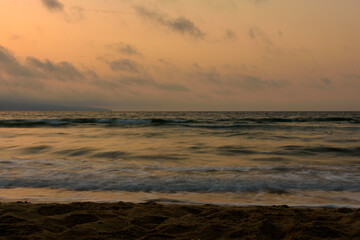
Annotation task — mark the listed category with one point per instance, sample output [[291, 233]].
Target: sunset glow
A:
[[182, 55]]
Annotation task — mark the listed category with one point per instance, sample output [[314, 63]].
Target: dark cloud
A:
[[125, 48], [15, 75], [184, 26], [257, 34], [53, 5], [230, 34], [73, 14], [326, 81], [35, 68], [180, 24], [10, 65], [171, 86], [258, 1], [46, 81], [63, 71], [125, 65]]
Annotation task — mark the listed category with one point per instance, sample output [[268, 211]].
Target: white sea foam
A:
[[89, 175]]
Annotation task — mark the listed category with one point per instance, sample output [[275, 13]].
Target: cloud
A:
[[139, 76], [10, 66], [125, 65], [14, 75], [75, 14], [184, 26], [232, 79], [230, 34], [207, 76], [352, 76], [37, 69], [326, 81], [125, 48], [63, 71], [257, 34], [166, 63], [255, 83], [181, 24], [172, 86], [53, 5], [320, 84], [149, 81], [15, 37], [258, 1], [35, 80], [225, 82]]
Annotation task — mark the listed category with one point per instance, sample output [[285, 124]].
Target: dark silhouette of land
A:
[[24, 106]]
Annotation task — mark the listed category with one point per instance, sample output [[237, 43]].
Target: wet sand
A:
[[22, 220]]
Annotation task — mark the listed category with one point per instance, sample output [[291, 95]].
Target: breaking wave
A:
[[135, 178], [199, 123]]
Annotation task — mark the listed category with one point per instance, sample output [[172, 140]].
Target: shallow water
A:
[[242, 158]]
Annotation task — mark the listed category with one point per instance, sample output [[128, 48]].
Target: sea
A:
[[225, 158]]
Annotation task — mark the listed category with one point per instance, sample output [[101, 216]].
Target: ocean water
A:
[[237, 158]]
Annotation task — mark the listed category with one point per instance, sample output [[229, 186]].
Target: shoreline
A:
[[309, 199], [151, 220]]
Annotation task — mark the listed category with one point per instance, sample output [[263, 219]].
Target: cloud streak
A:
[[126, 65], [255, 83], [257, 34], [181, 24], [63, 71], [53, 5], [230, 34], [352, 76], [149, 81], [125, 48], [11, 67], [258, 1]]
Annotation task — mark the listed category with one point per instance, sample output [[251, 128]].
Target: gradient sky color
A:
[[182, 55]]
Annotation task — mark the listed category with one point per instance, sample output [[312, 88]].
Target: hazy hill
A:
[[16, 106]]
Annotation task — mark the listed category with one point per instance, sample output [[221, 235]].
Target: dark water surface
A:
[[262, 158]]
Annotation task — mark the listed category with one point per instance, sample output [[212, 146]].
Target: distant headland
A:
[[17, 106]]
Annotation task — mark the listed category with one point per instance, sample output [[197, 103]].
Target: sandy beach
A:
[[23, 220]]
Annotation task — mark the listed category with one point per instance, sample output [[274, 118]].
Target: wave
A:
[[86, 121], [85, 176], [306, 150], [87, 182], [239, 123], [302, 120], [276, 155]]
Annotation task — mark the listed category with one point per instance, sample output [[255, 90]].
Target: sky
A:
[[223, 55]]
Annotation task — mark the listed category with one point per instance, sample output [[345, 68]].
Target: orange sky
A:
[[182, 55]]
